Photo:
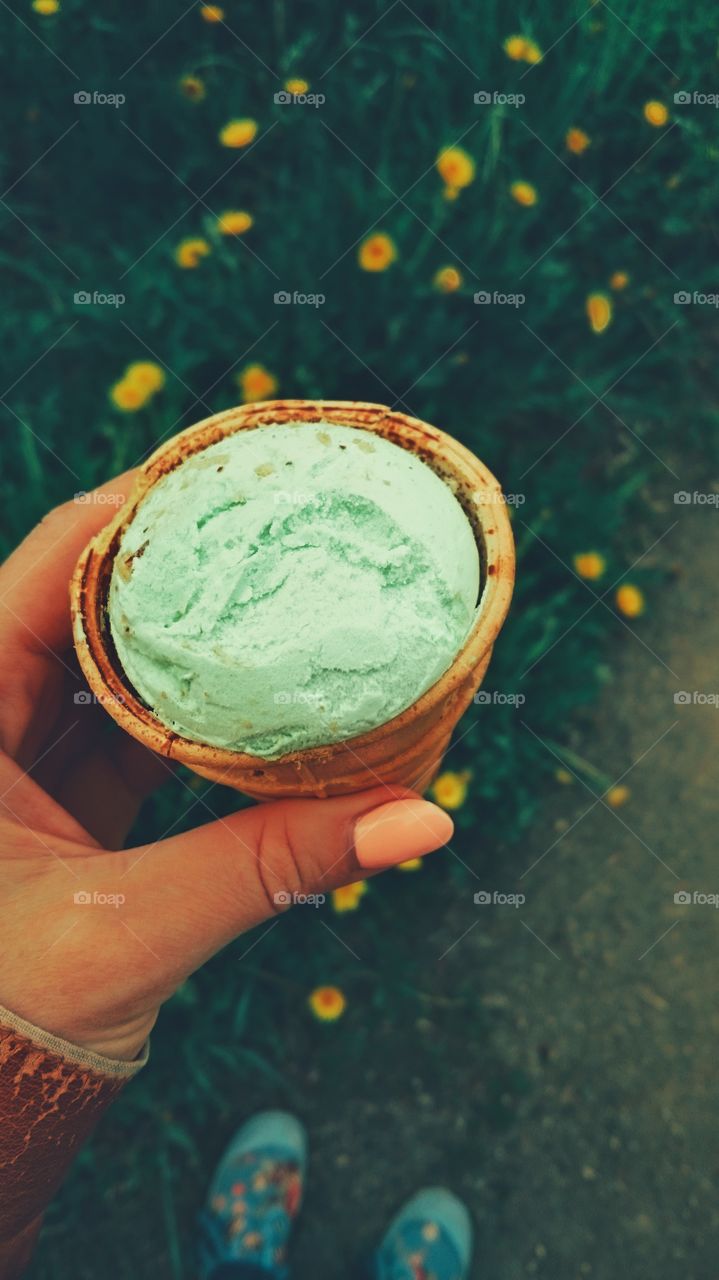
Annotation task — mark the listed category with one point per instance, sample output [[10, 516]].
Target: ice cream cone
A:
[[407, 749]]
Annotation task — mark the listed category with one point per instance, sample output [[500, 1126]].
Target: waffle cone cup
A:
[[407, 749]]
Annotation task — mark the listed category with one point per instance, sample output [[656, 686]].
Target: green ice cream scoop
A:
[[292, 586]]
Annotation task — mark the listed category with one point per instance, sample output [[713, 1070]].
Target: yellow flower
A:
[[656, 114], [450, 193], [456, 167], [617, 796], [618, 280], [234, 222], [128, 396], [238, 133], [190, 252], [524, 193], [297, 86], [563, 776], [577, 141], [522, 49], [212, 13], [256, 383], [377, 252], [327, 1003], [348, 897], [146, 375], [46, 7], [412, 864], [448, 280], [450, 789], [193, 88], [590, 565], [599, 312], [629, 601]]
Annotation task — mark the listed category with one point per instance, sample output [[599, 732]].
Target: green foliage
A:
[[98, 198]]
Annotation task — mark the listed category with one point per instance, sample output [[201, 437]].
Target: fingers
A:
[[195, 892], [34, 613], [105, 787]]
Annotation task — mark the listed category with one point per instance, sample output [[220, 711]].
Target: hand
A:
[[80, 967]]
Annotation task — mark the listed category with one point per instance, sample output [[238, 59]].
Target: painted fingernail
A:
[[399, 831]]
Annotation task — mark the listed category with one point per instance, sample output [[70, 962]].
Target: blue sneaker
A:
[[254, 1197], [430, 1239]]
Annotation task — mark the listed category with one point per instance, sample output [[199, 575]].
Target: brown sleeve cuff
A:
[[52, 1094]]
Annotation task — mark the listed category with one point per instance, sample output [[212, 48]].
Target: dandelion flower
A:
[[377, 252], [192, 87], [522, 49], [412, 864], [235, 222], [456, 167], [327, 1003], [348, 897], [256, 383], [577, 141], [590, 565], [146, 375], [238, 133], [189, 253], [212, 13], [297, 85], [629, 601], [599, 312], [618, 280], [448, 280], [524, 193], [450, 789], [563, 776], [656, 114], [617, 796], [46, 7], [128, 396], [450, 193]]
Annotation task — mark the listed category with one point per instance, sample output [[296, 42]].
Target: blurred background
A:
[[500, 219]]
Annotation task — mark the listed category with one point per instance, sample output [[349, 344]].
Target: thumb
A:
[[199, 890]]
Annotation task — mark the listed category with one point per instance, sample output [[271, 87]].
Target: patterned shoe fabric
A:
[[430, 1239], [254, 1196]]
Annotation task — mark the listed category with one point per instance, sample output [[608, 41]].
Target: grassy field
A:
[[575, 392]]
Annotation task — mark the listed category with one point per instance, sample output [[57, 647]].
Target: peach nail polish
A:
[[400, 830]]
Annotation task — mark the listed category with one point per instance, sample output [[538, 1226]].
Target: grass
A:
[[98, 198]]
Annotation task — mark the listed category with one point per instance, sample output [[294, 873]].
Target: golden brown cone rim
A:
[[474, 486]]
